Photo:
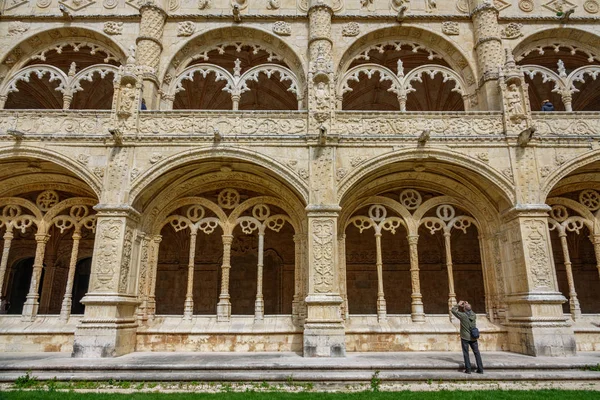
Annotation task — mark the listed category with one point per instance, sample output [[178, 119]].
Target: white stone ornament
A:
[[186, 28], [590, 198], [450, 28], [77, 5], [46, 200], [526, 5], [411, 199], [591, 6], [16, 28], [282, 28], [113, 28], [228, 199], [203, 4], [351, 29]]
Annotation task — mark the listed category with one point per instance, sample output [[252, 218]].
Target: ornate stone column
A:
[[65, 310], [574, 306], [109, 325], [188, 307], [451, 293], [149, 50], [259, 304], [224, 305], [535, 320], [30, 308], [152, 270], [381, 306], [342, 269], [8, 237], [416, 305], [488, 47]]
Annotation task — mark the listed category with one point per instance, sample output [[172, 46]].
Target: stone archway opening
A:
[[575, 238], [46, 215], [226, 235], [561, 69]]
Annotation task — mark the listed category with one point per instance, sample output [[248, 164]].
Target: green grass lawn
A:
[[442, 395]]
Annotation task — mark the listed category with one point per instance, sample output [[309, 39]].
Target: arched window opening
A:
[[564, 74], [203, 93], [226, 245], [401, 76], [38, 93], [236, 77], [406, 254]]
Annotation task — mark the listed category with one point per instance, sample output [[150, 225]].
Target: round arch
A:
[[36, 42], [493, 182], [432, 40], [555, 177], [585, 40], [70, 165], [282, 173], [231, 35]]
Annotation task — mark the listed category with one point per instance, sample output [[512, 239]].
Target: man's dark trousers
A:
[[465, 349]]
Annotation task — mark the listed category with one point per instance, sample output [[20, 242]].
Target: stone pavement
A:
[[273, 367]]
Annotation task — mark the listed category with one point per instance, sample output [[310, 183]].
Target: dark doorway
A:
[[81, 284], [19, 285]]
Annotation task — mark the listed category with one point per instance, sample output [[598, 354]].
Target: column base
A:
[[108, 328], [324, 331], [223, 310], [537, 326]]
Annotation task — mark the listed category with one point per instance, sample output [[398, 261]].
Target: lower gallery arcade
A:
[[217, 259]]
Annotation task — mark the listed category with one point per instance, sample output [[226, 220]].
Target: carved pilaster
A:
[[109, 324], [515, 100], [224, 305], [324, 329], [30, 308], [535, 320]]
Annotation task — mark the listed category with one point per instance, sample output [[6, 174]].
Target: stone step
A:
[[303, 375]]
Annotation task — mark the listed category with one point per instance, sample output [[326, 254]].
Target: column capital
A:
[[526, 210], [323, 210], [117, 210]]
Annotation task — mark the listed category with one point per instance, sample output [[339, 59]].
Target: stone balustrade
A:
[[348, 125]]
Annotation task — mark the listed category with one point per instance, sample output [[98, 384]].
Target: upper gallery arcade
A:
[[319, 176]]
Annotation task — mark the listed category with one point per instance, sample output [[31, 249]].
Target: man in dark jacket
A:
[[468, 320], [547, 106]]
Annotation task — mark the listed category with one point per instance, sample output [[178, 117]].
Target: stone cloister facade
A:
[[318, 176]]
